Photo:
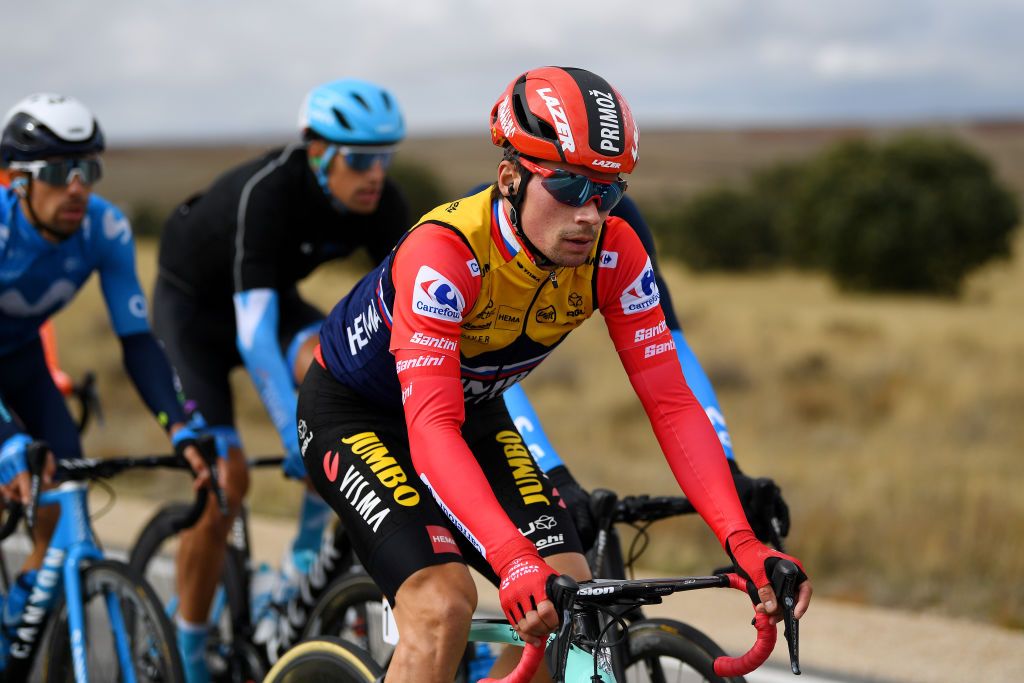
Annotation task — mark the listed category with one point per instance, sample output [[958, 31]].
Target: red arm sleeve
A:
[[434, 285], [628, 298]]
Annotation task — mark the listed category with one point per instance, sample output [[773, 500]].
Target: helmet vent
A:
[[359, 98], [387, 100], [341, 119]]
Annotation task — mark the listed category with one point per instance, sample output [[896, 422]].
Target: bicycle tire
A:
[[230, 656], [351, 608], [324, 659], [660, 654], [691, 633], [153, 646]]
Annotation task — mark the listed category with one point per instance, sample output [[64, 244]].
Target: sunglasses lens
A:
[[577, 190], [60, 173], [360, 161]]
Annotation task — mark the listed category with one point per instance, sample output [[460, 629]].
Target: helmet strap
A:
[[323, 164], [24, 190], [516, 199]]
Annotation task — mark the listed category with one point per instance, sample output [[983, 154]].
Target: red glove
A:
[[754, 559], [523, 586]]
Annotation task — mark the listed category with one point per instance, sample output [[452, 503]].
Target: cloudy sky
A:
[[232, 69]]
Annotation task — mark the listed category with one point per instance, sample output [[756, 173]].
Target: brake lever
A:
[[207, 445], [784, 578], [92, 396], [562, 591], [35, 458]]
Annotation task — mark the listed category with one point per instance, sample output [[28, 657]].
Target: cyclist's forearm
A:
[[151, 373], [256, 313], [690, 445], [444, 461], [529, 426], [701, 387]]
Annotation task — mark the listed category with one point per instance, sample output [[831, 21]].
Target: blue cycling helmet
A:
[[352, 112]]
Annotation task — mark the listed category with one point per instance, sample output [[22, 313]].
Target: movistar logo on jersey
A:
[[436, 297], [642, 294]]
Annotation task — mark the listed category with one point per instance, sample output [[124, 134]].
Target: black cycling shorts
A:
[[200, 340], [357, 455]]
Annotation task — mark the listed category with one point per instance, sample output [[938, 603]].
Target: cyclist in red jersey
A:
[[401, 422]]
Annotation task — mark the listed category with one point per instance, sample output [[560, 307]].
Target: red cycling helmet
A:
[[568, 115]]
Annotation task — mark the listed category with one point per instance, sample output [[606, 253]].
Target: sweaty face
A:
[[565, 234], [359, 191], [60, 208]]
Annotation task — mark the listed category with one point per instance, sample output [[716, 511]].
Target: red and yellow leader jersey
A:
[[459, 312]]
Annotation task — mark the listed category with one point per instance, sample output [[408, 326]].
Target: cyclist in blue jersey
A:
[[54, 234], [226, 295]]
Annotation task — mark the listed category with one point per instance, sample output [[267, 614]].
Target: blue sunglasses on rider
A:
[[575, 189], [362, 159], [61, 172]]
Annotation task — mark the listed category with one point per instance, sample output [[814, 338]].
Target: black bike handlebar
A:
[[568, 596], [80, 469]]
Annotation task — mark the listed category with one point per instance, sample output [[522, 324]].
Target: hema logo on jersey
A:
[[641, 294], [436, 297]]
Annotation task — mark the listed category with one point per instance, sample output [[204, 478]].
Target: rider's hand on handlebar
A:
[[755, 561], [523, 596], [17, 482], [185, 438], [762, 502]]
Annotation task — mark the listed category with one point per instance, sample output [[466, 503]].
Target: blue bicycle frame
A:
[[72, 547]]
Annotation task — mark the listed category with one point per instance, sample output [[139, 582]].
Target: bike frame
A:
[[579, 666], [72, 546]]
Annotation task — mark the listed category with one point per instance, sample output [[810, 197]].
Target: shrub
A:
[[147, 218], [914, 215], [422, 187], [726, 229]]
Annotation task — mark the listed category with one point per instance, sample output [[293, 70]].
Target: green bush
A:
[[147, 218], [723, 229], [915, 215], [729, 229], [422, 187]]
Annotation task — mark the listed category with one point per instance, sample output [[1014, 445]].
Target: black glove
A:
[[762, 501], [577, 501]]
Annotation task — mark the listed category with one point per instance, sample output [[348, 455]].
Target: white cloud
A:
[[182, 68]]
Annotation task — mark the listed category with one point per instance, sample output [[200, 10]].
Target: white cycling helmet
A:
[[47, 125]]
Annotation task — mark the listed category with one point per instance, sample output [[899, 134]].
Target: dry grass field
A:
[[893, 424]]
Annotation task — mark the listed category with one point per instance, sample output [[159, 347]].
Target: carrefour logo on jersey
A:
[[436, 297], [641, 294]]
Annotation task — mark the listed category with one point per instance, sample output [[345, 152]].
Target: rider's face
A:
[[565, 234], [359, 191], [59, 207]]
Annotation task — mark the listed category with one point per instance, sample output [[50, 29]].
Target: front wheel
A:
[[659, 652], [122, 615], [324, 659]]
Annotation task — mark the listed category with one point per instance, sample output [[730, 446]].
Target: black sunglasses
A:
[[61, 172], [575, 189]]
